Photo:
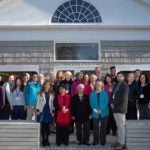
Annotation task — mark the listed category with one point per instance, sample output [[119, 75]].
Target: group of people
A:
[[90, 102]]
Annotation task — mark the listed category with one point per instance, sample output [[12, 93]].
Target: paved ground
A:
[[74, 146]]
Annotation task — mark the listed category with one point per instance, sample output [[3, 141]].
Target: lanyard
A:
[[117, 88], [17, 92]]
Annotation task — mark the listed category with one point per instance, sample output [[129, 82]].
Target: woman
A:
[[17, 101], [77, 81], [108, 88], [86, 81], [144, 98], [63, 116], [45, 111], [100, 112], [81, 113]]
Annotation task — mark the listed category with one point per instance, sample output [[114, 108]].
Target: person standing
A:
[[31, 92], [67, 82], [133, 95], [119, 105], [17, 101], [108, 82], [98, 73], [1, 101], [100, 112], [45, 111], [144, 97], [62, 105], [7, 88], [77, 81], [113, 74], [81, 113], [137, 74]]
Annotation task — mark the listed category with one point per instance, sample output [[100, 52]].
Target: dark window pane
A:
[[61, 8], [66, 4], [68, 20], [90, 16], [78, 8], [54, 19], [61, 20], [81, 17], [91, 8], [91, 20], [98, 19], [83, 10], [86, 4], [84, 20], [77, 51], [69, 9], [87, 13], [65, 12], [71, 17], [74, 8]]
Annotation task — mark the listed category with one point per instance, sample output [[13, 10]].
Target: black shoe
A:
[[86, 143], [114, 133], [44, 143], [94, 143], [47, 143], [66, 144], [80, 143], [58, 144]]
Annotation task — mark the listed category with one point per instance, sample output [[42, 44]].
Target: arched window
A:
[[76, 11]]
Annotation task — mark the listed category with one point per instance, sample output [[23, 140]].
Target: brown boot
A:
[[115, 144]]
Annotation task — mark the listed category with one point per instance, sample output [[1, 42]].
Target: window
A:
[[76, 11], [77, 51]]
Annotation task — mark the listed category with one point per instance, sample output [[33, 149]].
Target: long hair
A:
[[107, 75], [43, 88], [15, 85]]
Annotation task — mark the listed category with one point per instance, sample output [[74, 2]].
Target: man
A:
[[98, 73], [113, 74], [119, 105], [133, 95], [54, 82], [1, 81], [81, 112], [137, 74], [6, 90], [31, 92]]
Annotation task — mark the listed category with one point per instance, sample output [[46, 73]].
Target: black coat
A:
[[146, 93], [67, 85], [81, 110], [134, 93], [121, 97]]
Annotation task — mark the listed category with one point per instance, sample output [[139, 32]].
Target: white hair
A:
[[80, 86]]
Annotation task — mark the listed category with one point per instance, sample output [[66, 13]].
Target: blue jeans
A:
[[144, 111]]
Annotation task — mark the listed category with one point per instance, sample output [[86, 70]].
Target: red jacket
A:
[[62, 119]]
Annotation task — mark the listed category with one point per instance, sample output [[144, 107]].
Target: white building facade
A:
[[77, 35]]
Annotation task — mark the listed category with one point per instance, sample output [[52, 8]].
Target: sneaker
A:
[[120, 147]]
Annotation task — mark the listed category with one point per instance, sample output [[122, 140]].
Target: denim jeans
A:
[[144, 111]]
